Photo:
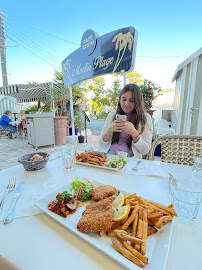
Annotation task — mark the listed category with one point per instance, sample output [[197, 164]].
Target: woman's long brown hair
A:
[[137, 115]]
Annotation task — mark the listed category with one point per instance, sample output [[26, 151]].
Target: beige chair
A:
[[178, 149]]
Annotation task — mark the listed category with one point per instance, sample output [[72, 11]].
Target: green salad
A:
[[117, 163], [81, 189]]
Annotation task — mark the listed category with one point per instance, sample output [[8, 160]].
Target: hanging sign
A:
[[113, 52]]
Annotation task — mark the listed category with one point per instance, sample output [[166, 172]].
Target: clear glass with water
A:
[[186, 195], [69, 157], [197, 168]]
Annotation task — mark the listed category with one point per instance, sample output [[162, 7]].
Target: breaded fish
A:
[[103, 192], [97, 217]]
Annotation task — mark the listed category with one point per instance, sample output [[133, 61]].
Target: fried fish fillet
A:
[[103, 192], [97, 217]]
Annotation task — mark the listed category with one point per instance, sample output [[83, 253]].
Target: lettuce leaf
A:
[[118, 163], [87, 187]]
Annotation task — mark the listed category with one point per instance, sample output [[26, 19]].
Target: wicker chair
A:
[[178, 149], [3, 131]]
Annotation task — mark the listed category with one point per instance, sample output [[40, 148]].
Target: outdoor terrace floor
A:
[[11, 150]]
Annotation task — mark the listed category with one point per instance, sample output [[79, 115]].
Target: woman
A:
[[22, 120], [133, 136], [22, 115], [4, 122]]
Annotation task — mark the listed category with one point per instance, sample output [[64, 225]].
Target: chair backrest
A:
[[24, 123], [3, 131], [162, 124], [178, 149]]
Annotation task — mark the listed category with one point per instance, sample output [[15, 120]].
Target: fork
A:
[[136, 166], [10, 187]]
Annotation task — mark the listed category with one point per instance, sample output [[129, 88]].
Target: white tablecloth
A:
[[38, 242]]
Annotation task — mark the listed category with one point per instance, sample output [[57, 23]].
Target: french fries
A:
[[155, 215], [126, 237], [139, 228], [168, 208], [151, 230], [114, 232], [135, 252], [145, 218], [131, 218], [144, 232], [91, 158], [159, 223], [102, 233], [127, 254]]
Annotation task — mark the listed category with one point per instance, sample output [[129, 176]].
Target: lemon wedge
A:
[[121, 213], [119, 201]]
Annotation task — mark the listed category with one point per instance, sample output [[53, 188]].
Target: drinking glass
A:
[[186, 197], [197, 167], [69, 156], [123, 155]]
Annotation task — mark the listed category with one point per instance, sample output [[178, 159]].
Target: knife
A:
[[9, 216]]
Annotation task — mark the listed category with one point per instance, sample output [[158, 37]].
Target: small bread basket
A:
[[34, 165]]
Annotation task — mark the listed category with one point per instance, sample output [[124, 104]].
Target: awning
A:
[[28, 92], [185, 63]]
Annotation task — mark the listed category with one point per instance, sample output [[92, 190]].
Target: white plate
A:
[[103, 167], [157, 245]]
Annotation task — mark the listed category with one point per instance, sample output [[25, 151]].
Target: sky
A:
[[44, 33]]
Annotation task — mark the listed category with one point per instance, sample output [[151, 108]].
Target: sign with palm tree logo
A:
[[113, 52]]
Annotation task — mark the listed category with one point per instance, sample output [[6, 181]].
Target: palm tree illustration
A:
[[122, 40], [67, 67]]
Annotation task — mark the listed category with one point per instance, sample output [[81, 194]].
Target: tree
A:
[[113, 94], [134, 77], [33, 82], [61, 95], [150, 92], [167, 90], [99, 99], [77, 89]]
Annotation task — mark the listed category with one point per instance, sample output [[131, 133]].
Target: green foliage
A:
[[61, 96], [101, 115], [77, 92], [113, 94], [31, 109], [99, 99], [150, 92], [46, 106], [58, 78], [167, 90], [33, 83], [134, 77], [79, 120]]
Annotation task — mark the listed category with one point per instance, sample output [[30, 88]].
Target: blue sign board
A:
[[88, 42], [113, 52]]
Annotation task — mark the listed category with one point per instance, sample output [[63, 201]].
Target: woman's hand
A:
[[130, 129], [116, 126]]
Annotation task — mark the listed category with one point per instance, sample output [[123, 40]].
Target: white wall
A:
[[7, 103], [178, 102]]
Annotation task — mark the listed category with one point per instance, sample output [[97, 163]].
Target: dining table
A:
[[36, 241]]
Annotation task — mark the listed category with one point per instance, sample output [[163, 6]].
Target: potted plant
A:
[[150, 93], [79, 123]]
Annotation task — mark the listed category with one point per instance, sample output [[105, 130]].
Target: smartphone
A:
[[121, 117]]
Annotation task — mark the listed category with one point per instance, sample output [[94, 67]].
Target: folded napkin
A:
[[145, 167], [25, 204]]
